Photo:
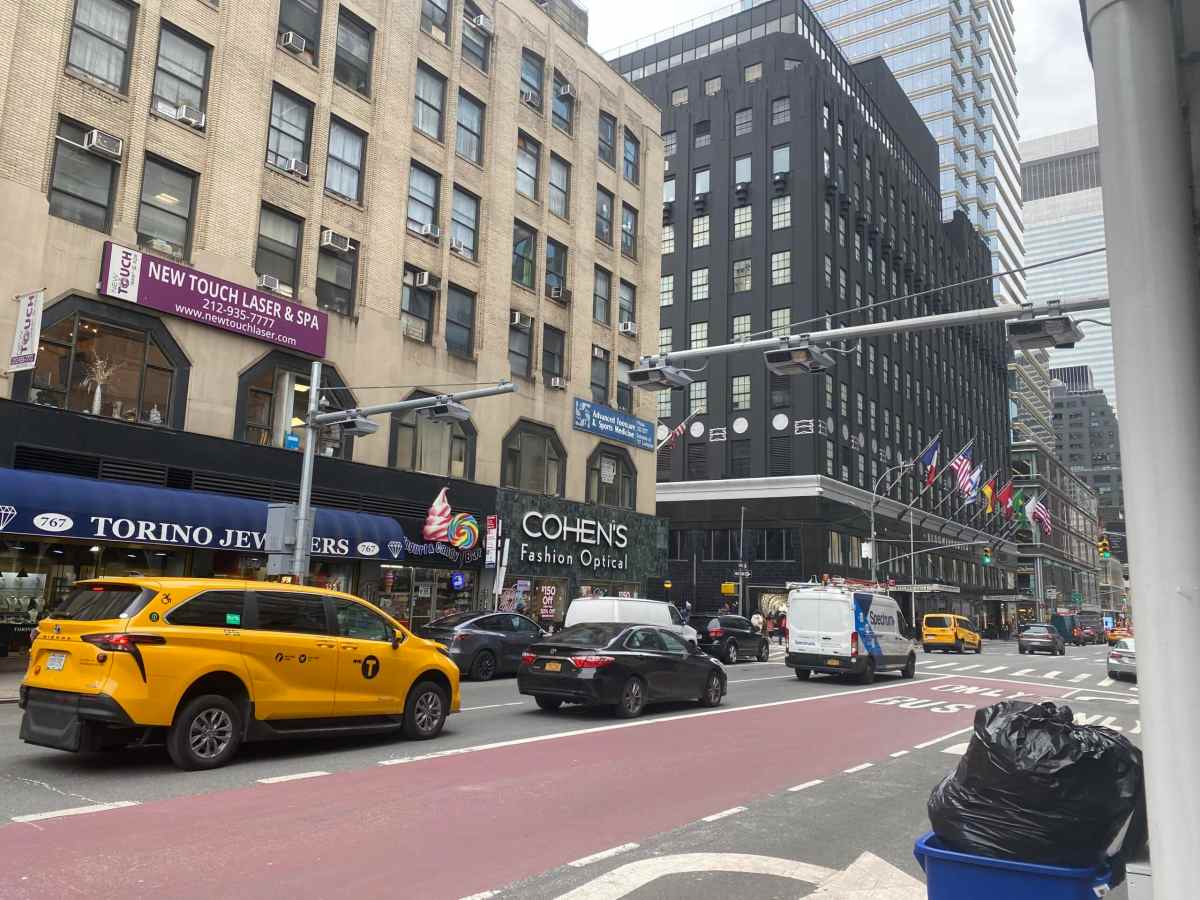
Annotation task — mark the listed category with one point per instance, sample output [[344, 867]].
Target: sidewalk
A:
[[12, 670]]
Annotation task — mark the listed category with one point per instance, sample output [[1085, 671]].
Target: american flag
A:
[[669, 442], [1037, 512], [961, 466]]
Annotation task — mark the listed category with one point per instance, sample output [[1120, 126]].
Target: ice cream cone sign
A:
[[437, 522]]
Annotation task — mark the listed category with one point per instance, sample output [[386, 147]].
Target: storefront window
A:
[[441, 448], [544, 600], [611, 478], [416, 596], [91, 366], [273, 403], [534, 460]]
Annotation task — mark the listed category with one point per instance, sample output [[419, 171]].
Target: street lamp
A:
[[798, 356], [1049, 333], [874, 501], [656, 375]]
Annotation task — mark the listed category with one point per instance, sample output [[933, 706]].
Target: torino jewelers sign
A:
[[567, 541]]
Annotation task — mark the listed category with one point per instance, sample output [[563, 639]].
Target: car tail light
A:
[[459, 636], [527, 658], [592, 661], [122, 642], [716, 631], [853, 644]]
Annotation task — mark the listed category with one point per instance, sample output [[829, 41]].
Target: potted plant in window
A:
[[99, 373]]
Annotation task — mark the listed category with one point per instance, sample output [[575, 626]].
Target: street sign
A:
[[1076, 597], [742, 572], [728, 588]]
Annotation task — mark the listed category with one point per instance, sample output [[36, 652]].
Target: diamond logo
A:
[[7, 514], [394, 547]]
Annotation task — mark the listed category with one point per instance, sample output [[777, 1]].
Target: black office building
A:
[[800, 191]]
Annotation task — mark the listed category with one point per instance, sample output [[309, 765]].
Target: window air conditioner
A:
[[628, 328], [431, 231], [103, 144], [458, 247], [331, 240], [483, 23], [529, 97], [268, 282], [189, 115], [599, 353], [521, 320], [297, 167], [558, 383], [422, 279], [567, 90], [292, 42]]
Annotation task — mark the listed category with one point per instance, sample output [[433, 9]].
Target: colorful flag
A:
[[1036, 510], [973, 483], [929, 460], [1004, 497], [669, 442], [1018, 505], [961, 466], [989, 493]]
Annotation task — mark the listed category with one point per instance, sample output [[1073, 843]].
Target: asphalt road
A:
[[778, 791]]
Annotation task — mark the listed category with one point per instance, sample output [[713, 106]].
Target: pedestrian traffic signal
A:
[[1104, 548], [987, 556]]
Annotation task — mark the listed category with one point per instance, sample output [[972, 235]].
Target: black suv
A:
[[730, 638]]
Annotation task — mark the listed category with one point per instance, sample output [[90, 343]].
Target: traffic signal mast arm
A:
[[346, 415]]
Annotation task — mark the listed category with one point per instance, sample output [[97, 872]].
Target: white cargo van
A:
[[634, 610], [840, 630]]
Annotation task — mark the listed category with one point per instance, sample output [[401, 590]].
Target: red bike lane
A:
[[453, 825]]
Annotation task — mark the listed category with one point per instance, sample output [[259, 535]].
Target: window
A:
[[670, 144], [532, 76], [212, 609], [743, 170], [101, 34], [828, 217], [633, 158], [435, 19], [841, 133], [141, 386], [700, 230], [624, 387], [858, 246], [335, 280], [562, 106], [842, 231], [420, 444], [599, 375], [604, 215], [828, 272], [665, 337], [556, 264], [629, 231], [679, 96], [524, 260], [476, 43], [165, 212], [697, 335], [842, 285], [273, 400], [560, 186], [668, 239], [702, 132], [601, 296], [741, 327], [781, 267], [279, 248], [781, 322], [858, 409], [826, 162], [781, 111], [554, 349], [752, 72], [702, 181], [781, 398], [416, 309], [790, 64], [291, 611], [825, 116], [343, 172], [743, 121], [712, 86], [739, 392], [468, 142], [612, 481], [430, 101], [352, 61], [698, 398], [607, 146], [742, 275], [181, 76], [843, 400], [529, 157], [464, 222], [290, 130], [424, 191], [356, 621], [668, 190], [533, 460], [829, 457], [627, 303], [781, 160], [460, 321], [781, 212], [700, 284], [520, 350], [742, 221], [663, 411]]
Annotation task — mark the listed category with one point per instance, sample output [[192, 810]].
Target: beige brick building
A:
[[250, 129]]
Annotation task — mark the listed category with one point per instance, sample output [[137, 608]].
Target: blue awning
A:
[[63, 506]]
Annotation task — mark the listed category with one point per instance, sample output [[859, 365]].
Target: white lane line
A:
[[75, 811], [724, 814], [1009, 680], [492, 706], [940, 665], [483, 895], [1084, 677], [603, 854], [944, 737], [993, 669], [956, 749], [1106, 682], [642, 723], [1053, 674], [858, 768], [763, 678], [279, 779], [1134, 689], [805, 786], [899, 753], [1071, 693], [1021, 672], [968, 668]]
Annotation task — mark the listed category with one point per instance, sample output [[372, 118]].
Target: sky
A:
[[1054, 76]]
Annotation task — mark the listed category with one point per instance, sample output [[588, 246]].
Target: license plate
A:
[[56, 662], [553, 667], [833, 662]]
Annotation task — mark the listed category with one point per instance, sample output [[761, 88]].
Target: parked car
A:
[[1092, 635], [1041, 639], [730, 638], [208, 663], [619, 665], [631, 610], [484, 644], [947, 632], [1113, 635], [1122, 660]]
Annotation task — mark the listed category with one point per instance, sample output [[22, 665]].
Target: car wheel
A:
[[1063, 651], [484, 666], [764, 652], [633, 699], [425, 711], [910, 667], [731, 655], [979, 647], [712, 691], [1113, 675], [206, 733], [868, 674], [550, 704], [804, 674]]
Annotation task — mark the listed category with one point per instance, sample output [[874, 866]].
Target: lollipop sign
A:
[[443, 525]]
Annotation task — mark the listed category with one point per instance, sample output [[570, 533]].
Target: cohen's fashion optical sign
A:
[[168, 287], [610, 540]]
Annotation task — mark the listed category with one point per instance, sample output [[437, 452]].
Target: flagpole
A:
[[682, 424], [941, 471]]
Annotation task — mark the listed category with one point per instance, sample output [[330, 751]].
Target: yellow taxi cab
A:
[[209, 663], [947, 631]]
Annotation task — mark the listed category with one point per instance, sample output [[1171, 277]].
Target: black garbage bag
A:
[[1035, 787]]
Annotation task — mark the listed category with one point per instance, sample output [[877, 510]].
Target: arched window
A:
[[273, 402], [611, 478], [418, 444], [534, 460]]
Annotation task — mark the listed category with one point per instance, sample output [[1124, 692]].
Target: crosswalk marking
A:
[[993, 669], [1106, 682], [1023, 672], [968, 668], [1084, 677], [956, 749], [1053, 674], [941, 665]]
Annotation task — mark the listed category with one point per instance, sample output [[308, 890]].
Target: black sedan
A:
[[619, 665], [484, 644], [1041, 639], [730, 638]]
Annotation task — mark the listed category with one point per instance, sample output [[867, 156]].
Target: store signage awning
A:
[[63, 506], [928, 588]]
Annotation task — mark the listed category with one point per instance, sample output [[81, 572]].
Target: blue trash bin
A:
[[951, 875]]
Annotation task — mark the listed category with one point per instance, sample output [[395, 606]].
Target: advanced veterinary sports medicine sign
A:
[[168, 287]]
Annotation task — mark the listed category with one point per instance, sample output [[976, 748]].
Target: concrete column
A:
[[1156, 317]]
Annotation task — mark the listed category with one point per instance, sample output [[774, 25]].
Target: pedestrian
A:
[[783, 628], [756, 620], [687, 610]]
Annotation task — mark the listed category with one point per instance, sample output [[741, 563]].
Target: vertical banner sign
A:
[[28, 331], [490, 539]]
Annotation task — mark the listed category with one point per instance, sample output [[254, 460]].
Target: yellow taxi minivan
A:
[[947, 631], [209, 663]]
